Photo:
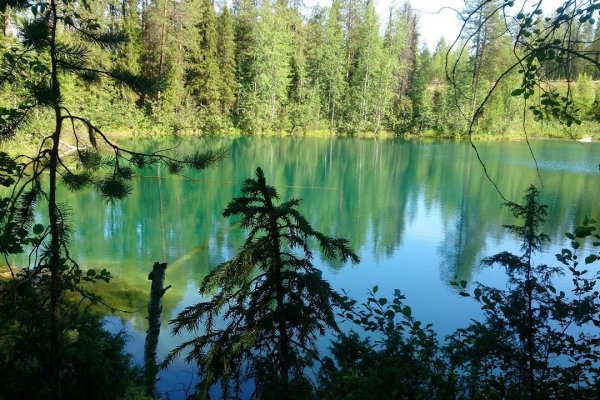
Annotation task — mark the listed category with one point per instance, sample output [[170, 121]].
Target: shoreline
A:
[[24, 144], [479, 137]]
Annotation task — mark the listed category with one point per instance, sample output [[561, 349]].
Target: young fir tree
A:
[[272, 299]]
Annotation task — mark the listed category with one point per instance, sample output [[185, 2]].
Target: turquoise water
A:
[[418, 213]]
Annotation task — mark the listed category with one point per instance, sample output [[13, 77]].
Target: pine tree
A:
[[594, 49], [437, 72], [226, 58], [157, 16], [272, 298], [245, 23], [300, 104], [332, 65], [203, 75], [5, 17], [130, 24], [419, 95], [265, 70], [364, 88], [404, 54]]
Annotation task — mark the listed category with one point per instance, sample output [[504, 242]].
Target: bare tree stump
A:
[[157, 276]]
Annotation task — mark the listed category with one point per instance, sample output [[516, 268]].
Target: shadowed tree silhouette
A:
[[273, 302]]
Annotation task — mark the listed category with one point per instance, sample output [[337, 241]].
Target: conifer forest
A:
[[261, 199]]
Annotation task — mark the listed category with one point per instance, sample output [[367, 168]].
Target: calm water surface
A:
[[418, 213]]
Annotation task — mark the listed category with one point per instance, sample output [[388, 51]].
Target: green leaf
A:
[[591, 258], [583, 231], [38, 229]]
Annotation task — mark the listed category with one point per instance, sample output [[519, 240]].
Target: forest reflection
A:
[[365, 190]]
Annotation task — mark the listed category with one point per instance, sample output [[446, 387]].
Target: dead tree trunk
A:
[[157, 276]]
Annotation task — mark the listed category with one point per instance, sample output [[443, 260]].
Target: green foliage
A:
[[203, 74], [226, 58], [95, 365], [399, 359], [273, 301], [547, 48], [536, 340], [265, 68], [363, 88], [63, 39]]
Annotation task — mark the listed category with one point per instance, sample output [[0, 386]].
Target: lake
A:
[[419, 214]]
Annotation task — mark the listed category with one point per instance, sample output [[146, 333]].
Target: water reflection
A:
[[419, 213], [368, 191]]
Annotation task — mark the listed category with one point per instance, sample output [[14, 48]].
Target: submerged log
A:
[[157, 276]]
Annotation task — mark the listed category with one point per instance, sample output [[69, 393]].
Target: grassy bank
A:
[[29, 142]]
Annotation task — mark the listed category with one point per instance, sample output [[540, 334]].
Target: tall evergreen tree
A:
[[132, 51], [226, 59], [419, 94], [301, 105], [157, 23], [352, 14], [272, 298], [407, 57], [5, 20], [203, 75], [245, 23], [332, 71], [437, 72], [266, 71], [594, 50]]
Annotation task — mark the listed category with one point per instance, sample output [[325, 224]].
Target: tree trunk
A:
[[6, 21], [530, 330], [283, 390], [163, 39], [54, 218], [157, 276]]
